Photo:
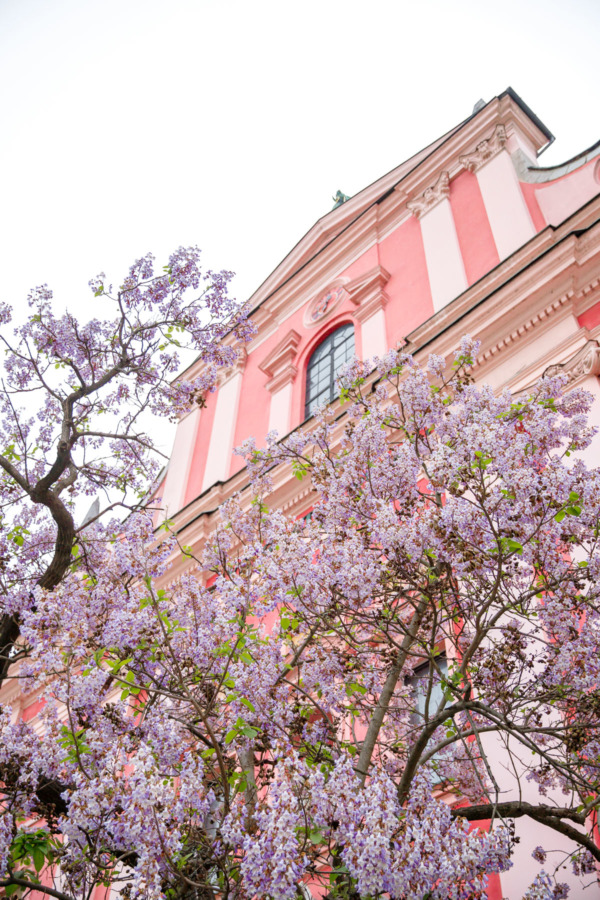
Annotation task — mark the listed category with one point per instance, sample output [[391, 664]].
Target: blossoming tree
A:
[[325, 715]]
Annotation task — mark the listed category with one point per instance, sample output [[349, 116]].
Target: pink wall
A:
[[472, 227], [529, 192], [253, 410], [403, 255], [591, 317], [194, 485], [559, 198]]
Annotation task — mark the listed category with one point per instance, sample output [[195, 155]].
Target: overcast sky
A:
[[137, 125]]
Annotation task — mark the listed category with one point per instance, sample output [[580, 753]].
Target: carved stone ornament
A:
[[585, 362], [431, 197], [485, 150], [324, 304]]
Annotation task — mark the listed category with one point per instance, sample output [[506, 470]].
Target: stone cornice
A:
[[514, 336], [431, 196], [485, 150], [279, 364]]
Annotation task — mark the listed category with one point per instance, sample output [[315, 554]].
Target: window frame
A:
[[314, 397]]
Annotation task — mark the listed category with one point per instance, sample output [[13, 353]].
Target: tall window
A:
[[336, 350]]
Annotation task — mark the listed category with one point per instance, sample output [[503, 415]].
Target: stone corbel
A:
[[367, 292], [585, 362], [485, 150], [279, 364], [431, 196]]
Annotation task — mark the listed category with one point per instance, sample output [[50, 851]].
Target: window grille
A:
[[330, 356]]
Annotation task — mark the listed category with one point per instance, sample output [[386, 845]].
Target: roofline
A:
[[530, 113], [437, 145], [510, 92]]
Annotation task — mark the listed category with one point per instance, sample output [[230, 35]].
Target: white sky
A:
[[136, 125]]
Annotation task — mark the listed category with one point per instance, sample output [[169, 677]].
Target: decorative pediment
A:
[[279, 364], [367, 292], [431, 196], [485, 150], [585, 362]]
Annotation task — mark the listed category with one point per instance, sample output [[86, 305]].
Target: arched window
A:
[[334, 352]]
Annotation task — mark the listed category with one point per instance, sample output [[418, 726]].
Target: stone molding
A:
[[367, 292], [431, 196], [523, 329], [279, 364], [484, 151], [585, 362]]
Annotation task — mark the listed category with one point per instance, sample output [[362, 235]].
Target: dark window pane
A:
[[334, 352]]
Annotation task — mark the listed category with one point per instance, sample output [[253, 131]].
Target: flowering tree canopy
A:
[[88, 389], [324, 716]]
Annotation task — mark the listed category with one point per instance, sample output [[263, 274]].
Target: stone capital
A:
[[485, 150], [431, 196]]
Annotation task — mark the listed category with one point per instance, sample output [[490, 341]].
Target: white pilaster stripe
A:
[[180, 462], [218, 459], [445, 267], [505, 204]]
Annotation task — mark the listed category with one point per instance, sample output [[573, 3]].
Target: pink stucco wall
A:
[[472, 227], [403, 255]]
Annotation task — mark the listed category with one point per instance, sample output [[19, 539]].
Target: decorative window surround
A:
[[445, 266], [279, 366], [368, 294]]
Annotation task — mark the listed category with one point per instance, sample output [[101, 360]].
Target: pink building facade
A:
[[470, 235]]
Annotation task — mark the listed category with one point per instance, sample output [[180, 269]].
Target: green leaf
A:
[[249, 732], [560, 515], [514, 545], [39, 860], [354, 688]]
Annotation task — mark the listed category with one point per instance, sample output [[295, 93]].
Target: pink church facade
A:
[[467, 236], [470, 235]]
